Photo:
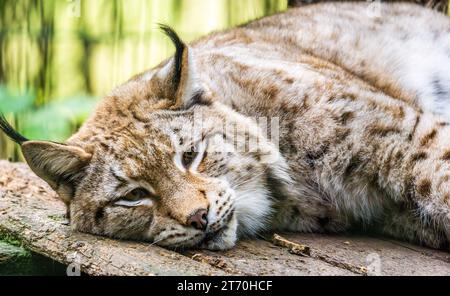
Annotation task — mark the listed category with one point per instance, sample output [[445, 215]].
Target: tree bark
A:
[[31, 214]]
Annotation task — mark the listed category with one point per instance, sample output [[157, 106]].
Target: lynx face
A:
[[161, 160], [177, 181]]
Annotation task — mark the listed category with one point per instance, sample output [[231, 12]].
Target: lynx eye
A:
[[136, 197], [188, 157], [192, 158], [137, 194]]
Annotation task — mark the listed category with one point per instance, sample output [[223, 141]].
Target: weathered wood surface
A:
[[30, 213]]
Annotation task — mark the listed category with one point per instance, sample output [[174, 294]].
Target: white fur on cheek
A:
[[253, 207]]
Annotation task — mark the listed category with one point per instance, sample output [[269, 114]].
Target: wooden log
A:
[[31, 214], [374, 255]]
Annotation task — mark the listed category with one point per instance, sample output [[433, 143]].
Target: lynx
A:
[[356, 134]]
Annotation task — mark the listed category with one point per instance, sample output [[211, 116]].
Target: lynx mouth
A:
[[219, 234], [213, 235]]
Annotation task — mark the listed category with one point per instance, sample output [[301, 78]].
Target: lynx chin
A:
[[362, 109]]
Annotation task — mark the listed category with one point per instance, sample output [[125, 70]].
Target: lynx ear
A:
[[57, 164], [179, 75]]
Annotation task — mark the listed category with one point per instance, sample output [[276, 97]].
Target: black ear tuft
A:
[[10, 131], [179, 50]]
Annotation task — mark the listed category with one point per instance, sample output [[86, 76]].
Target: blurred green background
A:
[[58, 57]]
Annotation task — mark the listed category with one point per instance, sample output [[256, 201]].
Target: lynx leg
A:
[[431, 192], [408, 225]]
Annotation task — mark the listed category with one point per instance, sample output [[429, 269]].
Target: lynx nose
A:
[[198, 220]]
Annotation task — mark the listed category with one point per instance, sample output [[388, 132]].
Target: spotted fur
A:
[[363, 112]]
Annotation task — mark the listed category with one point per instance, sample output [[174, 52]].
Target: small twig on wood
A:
[[339, 263], [215, 262], [293, 248], [304, 250]]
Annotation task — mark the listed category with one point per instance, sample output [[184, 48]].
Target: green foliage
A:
[[9, 239], [13, 251], [54, 121], [57, 120], [17, 260], [14, 103], [57, 49]]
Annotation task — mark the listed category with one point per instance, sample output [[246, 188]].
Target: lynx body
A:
[[357, 134]]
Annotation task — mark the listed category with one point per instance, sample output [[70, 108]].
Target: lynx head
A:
[[162, 160]]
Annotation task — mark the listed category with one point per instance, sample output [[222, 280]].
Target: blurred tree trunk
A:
[[2, 38], [439, 5], [46, 47], [87, 42]]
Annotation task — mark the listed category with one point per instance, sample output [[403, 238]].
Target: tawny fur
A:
[[362, 105]]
